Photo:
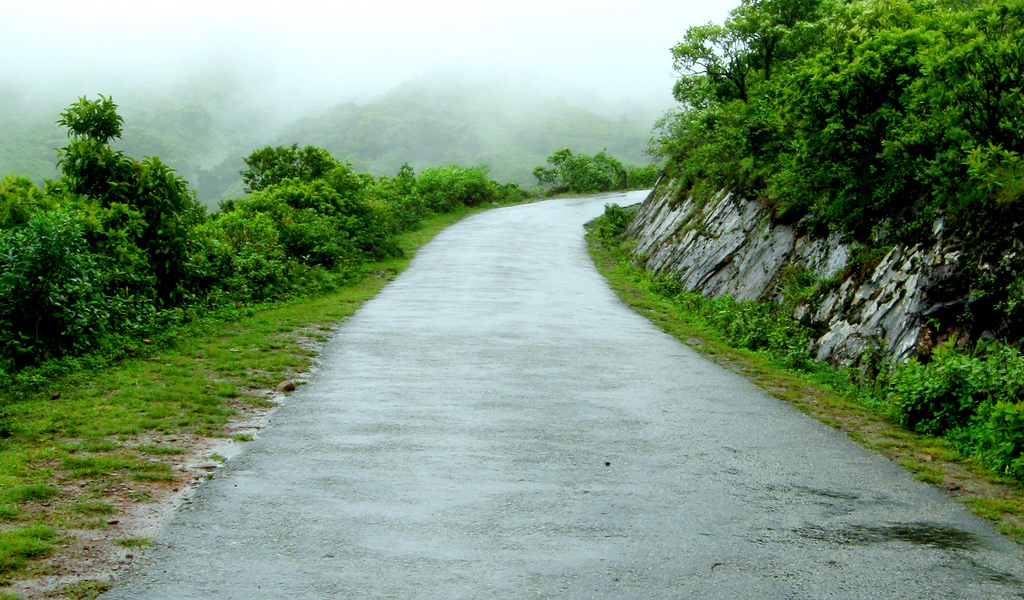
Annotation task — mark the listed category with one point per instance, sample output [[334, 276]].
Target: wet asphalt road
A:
[[497, 424]]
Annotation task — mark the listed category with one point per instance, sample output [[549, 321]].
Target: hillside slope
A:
[[434, 123]]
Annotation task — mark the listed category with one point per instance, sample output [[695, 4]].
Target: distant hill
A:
[[28, 137], [193, 127], [429, 124], [204, 128]]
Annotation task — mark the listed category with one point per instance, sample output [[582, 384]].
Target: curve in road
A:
[[497, 424]]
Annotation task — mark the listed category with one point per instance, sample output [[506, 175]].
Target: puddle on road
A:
[[922, 534]]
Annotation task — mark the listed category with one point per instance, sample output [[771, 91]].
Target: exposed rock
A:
[[286, 386], [731, 246]]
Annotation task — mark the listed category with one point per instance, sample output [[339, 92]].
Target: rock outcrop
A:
[[731, 246]]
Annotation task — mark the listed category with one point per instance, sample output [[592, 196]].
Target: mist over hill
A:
[[206, 125], [428, 123], [192, 124]]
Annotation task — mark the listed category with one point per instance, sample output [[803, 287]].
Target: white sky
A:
[[328, 52]]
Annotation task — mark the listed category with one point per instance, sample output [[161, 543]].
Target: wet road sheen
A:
[[497, 424]]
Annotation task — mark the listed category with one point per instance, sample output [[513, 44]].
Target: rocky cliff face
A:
[[730, 246]]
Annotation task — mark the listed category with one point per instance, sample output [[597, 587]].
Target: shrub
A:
[[269, 166], [955, 386], [241, 256], [1006, 428], [443, 189], [50, 304], [614, 223], [19, 200], [581, 173]]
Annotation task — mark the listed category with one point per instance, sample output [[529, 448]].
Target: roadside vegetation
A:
[[133, 325], [874, 118], [584, 174], [118, 249], [953, 422], [877, 119]]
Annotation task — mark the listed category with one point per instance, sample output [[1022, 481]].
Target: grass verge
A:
[[87, 446], [825, 394]]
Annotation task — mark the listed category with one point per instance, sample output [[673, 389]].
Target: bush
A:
[[975, 400], [19, 200], [638, 178], [1006, 426], [241, 257], [269, 165], [955, 386], [50, 304], [614, 223], [443, 189], [581, 173]]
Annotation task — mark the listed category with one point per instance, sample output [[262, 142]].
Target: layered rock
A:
[[731, 246]]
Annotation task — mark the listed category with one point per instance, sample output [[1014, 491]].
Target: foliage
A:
[[613, 223], [19, 200], [444, 188], [268, 166], [49, 301], [1006, 425], [973, 398], [93, 169], [639, 178], [584, 174], [855, 113], [721, 63], [118, 249]]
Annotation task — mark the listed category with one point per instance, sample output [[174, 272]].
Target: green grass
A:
[[29, 493], [19, 545], [93, 508], [158, 449], [67, 456], [87, 589], [822, 392]]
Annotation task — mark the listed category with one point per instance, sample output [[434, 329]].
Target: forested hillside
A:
[[118, 247], [204, 128], [872, 117], [891, 128], [433, 123]]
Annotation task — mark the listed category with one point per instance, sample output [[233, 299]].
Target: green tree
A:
[[582, 173], [19, 200], [270, 165], [719, 63], [93, 169], [847, 112]]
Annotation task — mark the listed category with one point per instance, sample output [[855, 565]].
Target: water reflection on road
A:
[[497, 424]]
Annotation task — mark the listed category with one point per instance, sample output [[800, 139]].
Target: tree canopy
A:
[[857, 113]]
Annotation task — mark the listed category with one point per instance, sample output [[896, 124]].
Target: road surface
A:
[[497, 424]]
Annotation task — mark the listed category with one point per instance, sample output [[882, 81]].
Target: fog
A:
[[302, 55], [203, 83]]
